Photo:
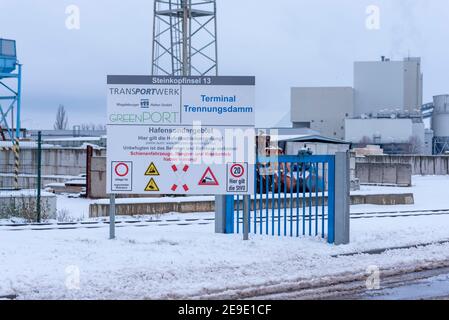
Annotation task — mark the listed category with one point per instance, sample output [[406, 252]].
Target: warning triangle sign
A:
[[152, 186], [152, 170], [209, 179]]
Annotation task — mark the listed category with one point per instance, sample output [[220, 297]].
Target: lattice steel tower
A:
[[185, 38]]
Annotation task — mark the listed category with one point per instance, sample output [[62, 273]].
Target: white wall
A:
[[390, 130], [380, 85], [292, 148], [413, 84], [325, 108]]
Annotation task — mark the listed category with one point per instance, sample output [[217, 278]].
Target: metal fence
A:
[[21, 179], [295, 197]]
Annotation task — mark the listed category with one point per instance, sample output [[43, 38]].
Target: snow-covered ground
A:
[[183, 261], [431, 192]]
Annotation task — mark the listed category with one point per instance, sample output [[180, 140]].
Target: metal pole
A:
[[16, 149], [185, 39], [19, 102], [39, 175], [112, 217], [342, 198], [246, 204], [220, 214], [216, 39], [154, 37]]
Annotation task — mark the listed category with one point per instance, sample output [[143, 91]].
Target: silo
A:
[[440, 123]]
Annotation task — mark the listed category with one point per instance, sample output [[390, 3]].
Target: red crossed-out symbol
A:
[[180, 176]]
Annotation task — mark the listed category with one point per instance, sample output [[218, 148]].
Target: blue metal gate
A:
[[295, 196]]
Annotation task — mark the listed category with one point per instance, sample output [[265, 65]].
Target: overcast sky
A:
[[284, 43]]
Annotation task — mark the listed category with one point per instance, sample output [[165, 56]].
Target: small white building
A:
[[384, 131]]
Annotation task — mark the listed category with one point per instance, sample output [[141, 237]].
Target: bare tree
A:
[[365, 141], [101, 127], [61, 119]]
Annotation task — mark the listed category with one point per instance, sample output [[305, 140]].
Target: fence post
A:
[[89, 155], [342, 198], [246, 209], [224, 214], [220, 214], [112, 212], [39, 175]]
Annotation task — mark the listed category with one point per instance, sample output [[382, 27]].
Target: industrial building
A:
[[322, 109], [387, 85], [385, 107], [440, 124], [402, 132]]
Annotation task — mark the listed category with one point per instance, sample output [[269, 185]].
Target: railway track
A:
[[202, 221], [99, 225]]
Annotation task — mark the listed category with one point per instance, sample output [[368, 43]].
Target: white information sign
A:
[[181, 135]]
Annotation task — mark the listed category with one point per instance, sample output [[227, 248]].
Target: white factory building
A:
[[383, 107]]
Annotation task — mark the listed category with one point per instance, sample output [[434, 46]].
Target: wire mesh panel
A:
[[295, 197]]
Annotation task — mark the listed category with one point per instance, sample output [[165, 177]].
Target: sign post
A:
[[246, 208], [112, 217], [181, 135]]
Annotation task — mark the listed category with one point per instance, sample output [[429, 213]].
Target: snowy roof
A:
[[23, 144], [308, 138], [73, 139]]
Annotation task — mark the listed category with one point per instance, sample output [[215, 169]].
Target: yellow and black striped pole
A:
[[16, 150]]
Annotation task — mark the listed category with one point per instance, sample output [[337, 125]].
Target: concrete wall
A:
[[97, 181], [421, 165], [151, 208], [28, 181], [55, 161], [27, 199], [324, 109], [384, 174]]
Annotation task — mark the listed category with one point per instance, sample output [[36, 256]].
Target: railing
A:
[[295, 197]]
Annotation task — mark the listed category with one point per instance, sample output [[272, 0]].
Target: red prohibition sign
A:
[[120, 165], [239, 172]]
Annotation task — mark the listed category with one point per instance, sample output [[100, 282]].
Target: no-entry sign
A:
[[181, 135], [121, 176]]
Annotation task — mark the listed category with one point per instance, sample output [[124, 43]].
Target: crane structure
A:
[[10, 91], [185, 38]]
